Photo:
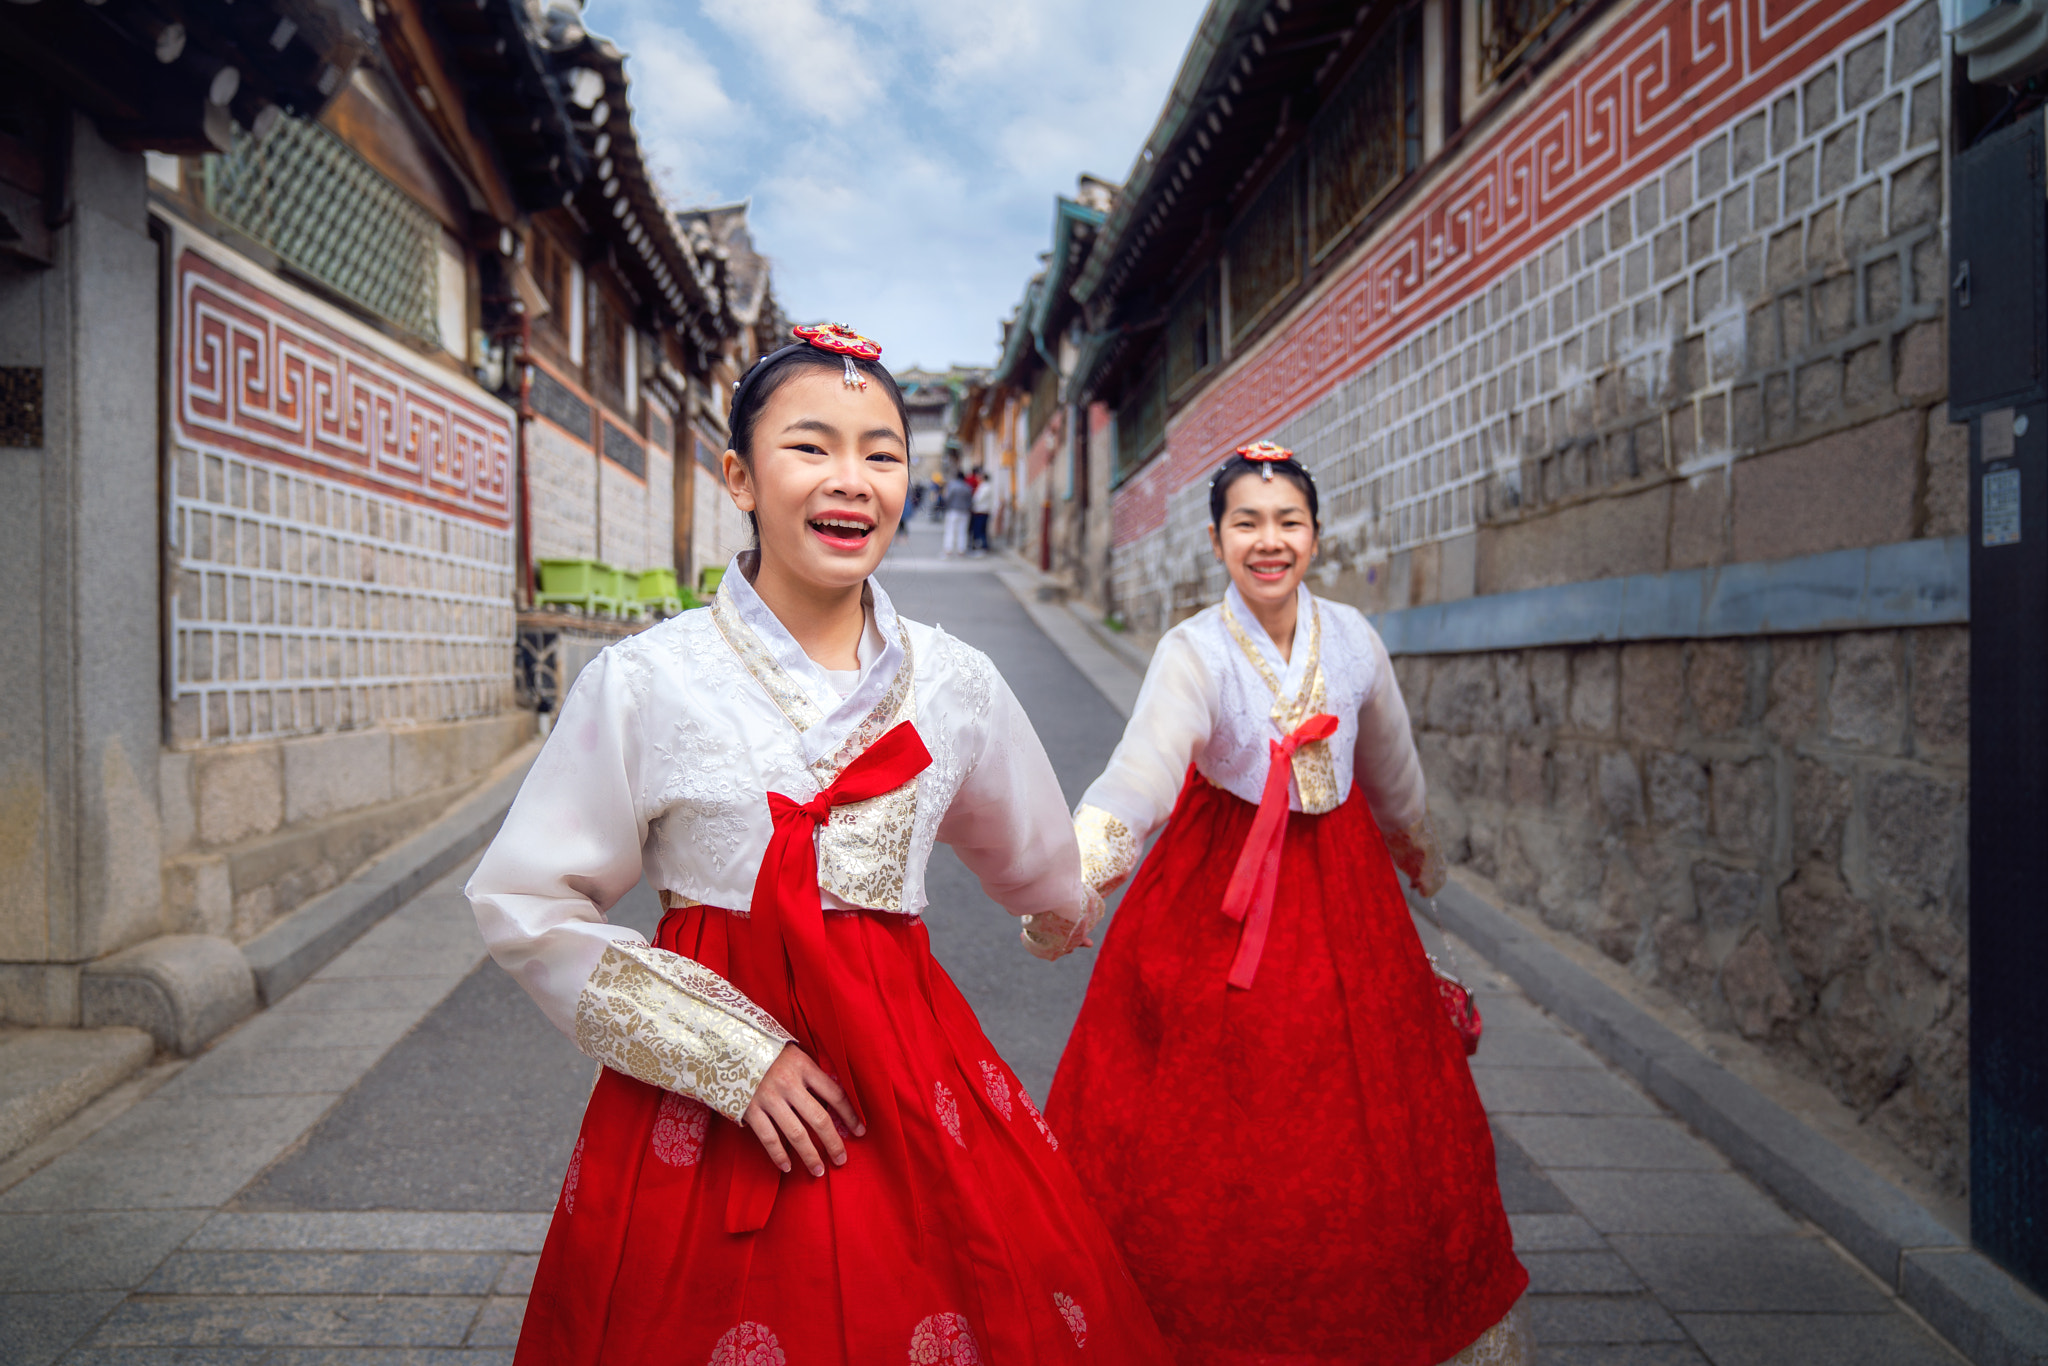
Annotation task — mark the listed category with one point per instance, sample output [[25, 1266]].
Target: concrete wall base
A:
[[183, 989]]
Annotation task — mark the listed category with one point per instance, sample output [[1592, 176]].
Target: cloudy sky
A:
[[901, 155]]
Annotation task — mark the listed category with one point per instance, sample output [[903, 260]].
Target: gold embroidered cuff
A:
[[1051, 936], [674, 1023], [1109, 851], [1415, 851]]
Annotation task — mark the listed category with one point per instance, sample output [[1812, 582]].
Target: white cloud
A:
[[818, 62], [902, 155]]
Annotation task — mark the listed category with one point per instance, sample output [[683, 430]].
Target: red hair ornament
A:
[[844, 342], [1265, 454]]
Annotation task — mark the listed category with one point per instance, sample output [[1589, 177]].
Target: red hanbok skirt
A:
[[955, 1233], [1300, 1173]]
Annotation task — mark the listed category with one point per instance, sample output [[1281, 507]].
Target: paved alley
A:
[[363, 1175]]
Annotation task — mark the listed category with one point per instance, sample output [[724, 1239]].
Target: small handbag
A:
[[1455, 996]]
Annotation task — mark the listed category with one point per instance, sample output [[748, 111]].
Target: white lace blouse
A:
[[660, 765], [1217, 692]]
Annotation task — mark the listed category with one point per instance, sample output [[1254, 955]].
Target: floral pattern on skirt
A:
[[1301, 1172], [950, 1236]]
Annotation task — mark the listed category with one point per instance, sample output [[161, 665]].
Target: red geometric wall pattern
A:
[[1665, 77], [258, 377]]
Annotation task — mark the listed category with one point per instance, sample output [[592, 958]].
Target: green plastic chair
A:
[[585, 584], [656, 592], [708, 579]]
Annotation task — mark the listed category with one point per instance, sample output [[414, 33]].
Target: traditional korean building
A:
[[1615, 336], [1062, 475], [320, 323]]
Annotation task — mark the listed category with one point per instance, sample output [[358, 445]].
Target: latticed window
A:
[[1140, 421], [333, 218], [1265, 254], [1356, 152], [1512, 28], [1191, 340]]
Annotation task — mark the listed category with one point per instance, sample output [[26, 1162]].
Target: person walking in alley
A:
[[983, 503], [1263, 1092], [778, 765], [959, 502]]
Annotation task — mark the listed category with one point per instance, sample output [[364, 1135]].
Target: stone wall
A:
[[1664, 383], [1773, 829], [638, 514], [718, 530], [561, 480], [253, 831], [300, 605]]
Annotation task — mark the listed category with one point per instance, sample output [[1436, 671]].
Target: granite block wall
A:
[[1773, 829]]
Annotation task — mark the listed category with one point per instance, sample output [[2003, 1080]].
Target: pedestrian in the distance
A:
[[1266, 1093], [909, 507], [983, 503], [959, 500], [778, 766]]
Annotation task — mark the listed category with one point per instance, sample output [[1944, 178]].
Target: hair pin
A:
[[845, 343], [1265, 454]]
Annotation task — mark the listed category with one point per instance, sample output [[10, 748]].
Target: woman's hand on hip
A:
[[789, 1107]]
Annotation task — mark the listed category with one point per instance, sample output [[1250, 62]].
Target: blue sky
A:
[[901, 155]]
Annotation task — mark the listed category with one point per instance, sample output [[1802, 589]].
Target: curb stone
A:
[[304, 941], [1959, 1292]]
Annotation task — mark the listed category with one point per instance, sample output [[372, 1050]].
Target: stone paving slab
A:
[[289, 1321], [1613, 1142], [192, 1152], [1751, 1275], [1749, 1339], [286, 1072], [88, 1251], [373, 1231], [326, 1273], [290, 1356]]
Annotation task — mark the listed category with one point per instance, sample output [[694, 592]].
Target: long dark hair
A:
[[1237, 467], [776, 369]]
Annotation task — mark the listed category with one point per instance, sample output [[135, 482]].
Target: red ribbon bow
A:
[[788, 920], [786, 932], [1256, 879]]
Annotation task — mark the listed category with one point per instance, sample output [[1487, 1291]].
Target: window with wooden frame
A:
[[1509, 28], [607, 345], [1192, 342], [1357, 151], [1140, 420], [1265, 253]]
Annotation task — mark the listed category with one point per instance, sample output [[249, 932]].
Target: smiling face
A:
[[1267, 538], [825, 479]]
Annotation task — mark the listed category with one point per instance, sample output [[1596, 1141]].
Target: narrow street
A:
[[363, 1174]]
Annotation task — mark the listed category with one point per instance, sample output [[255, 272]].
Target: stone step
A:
[[48, 1075]]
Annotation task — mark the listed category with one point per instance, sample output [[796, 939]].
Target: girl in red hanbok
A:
[[1264, 1093], [778, 766]]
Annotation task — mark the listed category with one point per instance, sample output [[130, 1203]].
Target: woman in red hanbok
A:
[[778, 766], [1264, 1093]]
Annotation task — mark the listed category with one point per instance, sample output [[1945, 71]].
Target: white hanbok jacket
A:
[[1217, 692], [660, 766]]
